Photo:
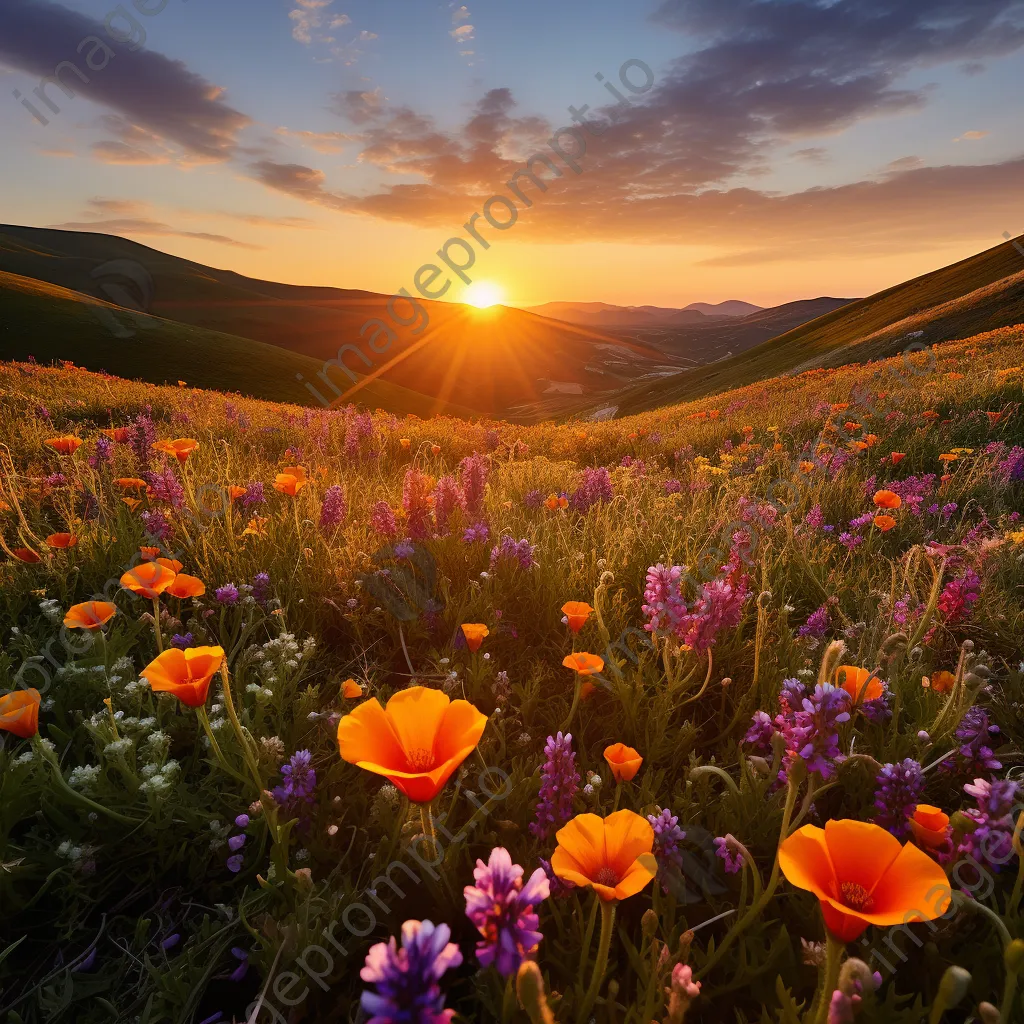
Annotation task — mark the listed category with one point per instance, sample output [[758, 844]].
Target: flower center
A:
[[855, 896], [607, 876], [421, 759]]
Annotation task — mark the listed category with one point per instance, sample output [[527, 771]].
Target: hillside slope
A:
[[484, 360], [981, 293]]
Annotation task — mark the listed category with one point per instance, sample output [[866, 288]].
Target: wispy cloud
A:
[[308, 19], [463, 32], [971, 136], [322, 142]]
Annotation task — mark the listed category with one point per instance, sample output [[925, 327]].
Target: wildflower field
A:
[[710, 714]]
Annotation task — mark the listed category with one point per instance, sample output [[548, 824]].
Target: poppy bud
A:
[[1013, 956], [962, 823], [953, 987], [988, 1013], [530, 990], [649, 923]]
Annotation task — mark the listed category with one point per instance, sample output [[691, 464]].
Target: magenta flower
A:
[[334, 508], [502, 909], [407, 978]]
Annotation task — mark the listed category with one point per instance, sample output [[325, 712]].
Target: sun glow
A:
[[483, 294]]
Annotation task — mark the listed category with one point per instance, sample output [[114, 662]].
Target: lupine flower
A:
[[334, 508], [729, 854], [900, 787], [974, 755], [448, 499], [261, 587], [533, 499], [809, 723], [296, 792], [594, 488], [663, 603], [141, 437], [418, 502], [668, 839], [407, 978], [382, 520], [181, 641], [817, 625], [227, 595], [156, 525], [509, 550], [416, 742], [759, 735], [502, 909], [405, 549], [478, 532], [991, 841], [612, 855], [473, 473], [104, 452], [862, 876], [958, 597], [254, 495], [165, 487], [559, 783]]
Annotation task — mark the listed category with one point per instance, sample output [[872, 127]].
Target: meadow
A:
[[711, 713]]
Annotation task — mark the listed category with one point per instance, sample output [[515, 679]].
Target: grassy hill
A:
[[485, 361], [978, 294], [53, 323]]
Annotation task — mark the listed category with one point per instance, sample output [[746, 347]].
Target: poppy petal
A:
[[626, 837], [860, 852], [416, 715], [583, 840], [804, 860], [638, 877], [365, 736]]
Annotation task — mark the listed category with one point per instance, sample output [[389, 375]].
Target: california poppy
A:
[[583, 663], [416, 742], [612, 855], [89, 615], [435, 449], [187, 674], [149, 554], [235, 492], [577, 613], [19, 712], [623, 761], [66, 445], [61, 540], [184, 586], [26, 555], [553, 502], [118, 434], [405, 442], [181, 448], [884, 523], [897, 457], [859, 683], [941, 681], [350, 689], [256, 527], [930, 826], [169, 563], [474, 632], [131, 483], [148, 579], [862, 876], [994, 418], [291, 480], [888, 499]]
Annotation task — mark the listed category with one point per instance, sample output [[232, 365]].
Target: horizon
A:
[[769, 150]]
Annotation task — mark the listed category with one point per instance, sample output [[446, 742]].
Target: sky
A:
[[764, 150]]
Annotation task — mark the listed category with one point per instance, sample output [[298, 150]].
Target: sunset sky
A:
[[786, 149]]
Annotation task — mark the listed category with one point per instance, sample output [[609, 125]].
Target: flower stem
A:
[[156, 625], [575, 704], [427, 820], [601, 963], [834, 949], [81, 798]]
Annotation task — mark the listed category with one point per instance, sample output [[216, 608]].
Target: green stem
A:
[[243, 741], [834, 949], [1019, 884], [427, 821], [204, 720], [1009, 995], [575, 703], [81, 798], [156, 625], [618, 794], [601, 963]]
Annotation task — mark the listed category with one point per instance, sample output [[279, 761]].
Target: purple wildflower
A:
[[405, 549], [165, 487], [809, 724], [668, 838], [974, 753], [407, 978], [533, 499], [817, 625], [959, 596], [227, 595], [759, 735], [104, 452], [900, 788], [334, 508], [727, 852], [478, 532], [473, 473], [183, 640], [509, 550], [382, 520], [663, 603], [254, 495], [156, 526], [559, 782], [141, 437], [261, 587], [295, 794], [448, 499], [594, 488], [991, 842], [502, 909], [234, 863]]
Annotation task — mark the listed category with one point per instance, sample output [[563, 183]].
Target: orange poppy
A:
[[931, 414], [66, 445], [897, 457], [850, 425], [871, 440], [149, 579], [89, 615], [859, 683], [150, 554], [235, 492], [350, 689], [840, 406], [187, 674], [612, 855], [553, 502], [858, 446], [994, 418], [583, 663], [184, 586], [291, 480], [941, 681], [587, 689], [930, 826], [474, 632], [884, 523], [181, 448], [888, 499], [623, 761], [948, 457], [131, 483], [435, 449], [416, 742], [26, 555], [862, 876], [61, 540], [256, 527], [806, 466], [169, 563], [577, 613], [19, 712], [118, 434], [404, 442]]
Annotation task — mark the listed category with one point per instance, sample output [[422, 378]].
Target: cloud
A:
[[110, 152], [904, 163], [972, 136], [358, 106], [464, 33], [322, 142], [308, 18], [460, 14], [147, 88], [144, 226], [812, 154]]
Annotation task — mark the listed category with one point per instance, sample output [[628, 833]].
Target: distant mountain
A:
[[979, 294], [484, 362], [602, 314]]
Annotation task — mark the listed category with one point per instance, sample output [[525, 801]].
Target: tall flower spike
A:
[[559, 783]]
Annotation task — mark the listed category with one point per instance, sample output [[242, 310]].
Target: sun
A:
[[483, 294]]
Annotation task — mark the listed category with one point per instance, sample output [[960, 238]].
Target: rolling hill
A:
[[979, 294], [601, 314], [485, 362]]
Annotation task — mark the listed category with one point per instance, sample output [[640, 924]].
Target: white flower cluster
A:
[[84, 776], [278, 659], [52, 611], [220, 834], [159, 780]]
